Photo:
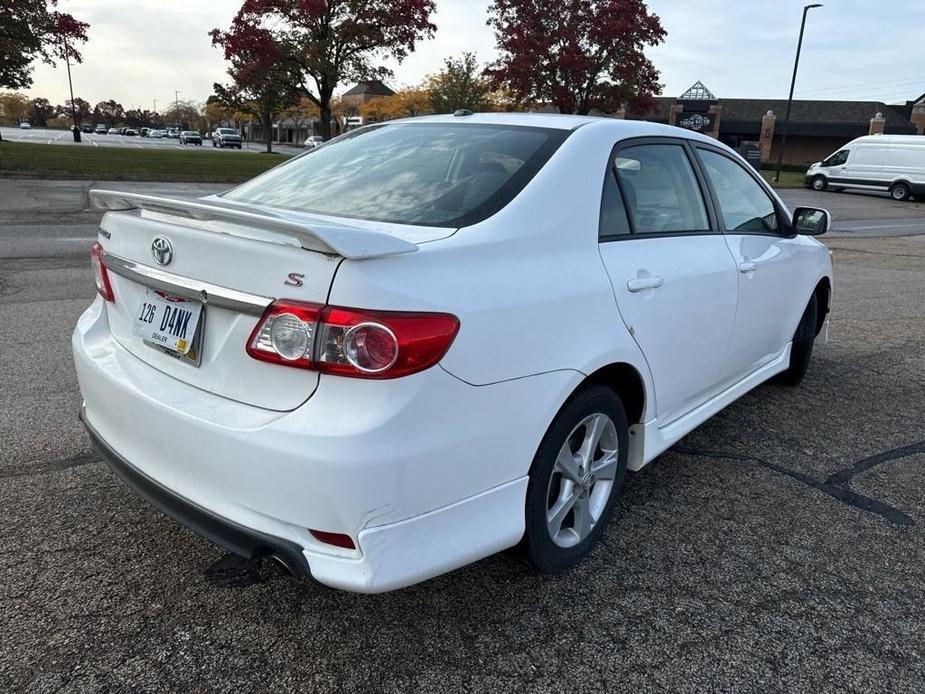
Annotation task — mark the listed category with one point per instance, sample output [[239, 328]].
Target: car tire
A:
[[819, 183], [900, 192], [555, 541], [802, 348]]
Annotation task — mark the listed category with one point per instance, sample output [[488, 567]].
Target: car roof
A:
[[621, 128]]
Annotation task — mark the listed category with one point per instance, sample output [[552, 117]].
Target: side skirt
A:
[[657, 439]]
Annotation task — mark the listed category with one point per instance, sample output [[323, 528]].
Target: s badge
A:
[[294, 280]]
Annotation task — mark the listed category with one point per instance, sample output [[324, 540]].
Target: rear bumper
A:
[[243, 541], [425, 473]]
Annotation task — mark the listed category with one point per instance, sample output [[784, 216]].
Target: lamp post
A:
[[67, 61], [176, 101], [793, 81]]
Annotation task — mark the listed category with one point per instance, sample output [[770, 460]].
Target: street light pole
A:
[[793, 81], [67, 61], [176, 98]]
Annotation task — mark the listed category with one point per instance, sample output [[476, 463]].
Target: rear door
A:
[[672, 274]]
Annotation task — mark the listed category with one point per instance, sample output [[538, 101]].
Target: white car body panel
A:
[[428, 472], [683, 327]]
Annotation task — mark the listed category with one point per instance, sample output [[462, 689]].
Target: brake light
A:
[[100, 273], [351, 342]]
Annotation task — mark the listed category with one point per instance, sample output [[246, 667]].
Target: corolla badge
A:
[[162, 250]]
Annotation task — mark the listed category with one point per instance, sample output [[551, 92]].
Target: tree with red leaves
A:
[[34, 29], [327, 42], [262, 78], [578, 55]]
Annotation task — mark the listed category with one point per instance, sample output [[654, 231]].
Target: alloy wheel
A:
[[582, 480]]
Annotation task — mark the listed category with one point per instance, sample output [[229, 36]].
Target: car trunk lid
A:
[[233, 261]]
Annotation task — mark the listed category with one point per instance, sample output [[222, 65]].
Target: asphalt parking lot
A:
[[64, 137], [779, 547]]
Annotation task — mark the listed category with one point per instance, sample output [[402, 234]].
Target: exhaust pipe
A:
[[281, 563]]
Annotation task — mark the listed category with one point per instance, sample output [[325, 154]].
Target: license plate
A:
[[167, 321]]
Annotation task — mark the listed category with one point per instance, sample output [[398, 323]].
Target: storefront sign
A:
[[696, 121]]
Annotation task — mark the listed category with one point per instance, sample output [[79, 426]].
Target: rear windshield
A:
[[429, 174]]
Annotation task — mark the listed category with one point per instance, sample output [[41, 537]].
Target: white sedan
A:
[[437, 338]]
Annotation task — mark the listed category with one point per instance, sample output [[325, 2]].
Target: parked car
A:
[[155, 133], [144, 132], [431, 340], [114, 131], [892, 163], [130, 132], [100, 129], [226, 137], [190, 137], [314, 141], [173, 132], [87, 129], [25, 125]]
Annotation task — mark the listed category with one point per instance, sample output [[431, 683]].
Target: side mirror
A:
[[811, 221]]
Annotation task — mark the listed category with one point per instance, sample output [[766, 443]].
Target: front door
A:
[[772, 293], [673, 276]]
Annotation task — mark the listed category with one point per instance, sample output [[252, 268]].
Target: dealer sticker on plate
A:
[[169, 321]]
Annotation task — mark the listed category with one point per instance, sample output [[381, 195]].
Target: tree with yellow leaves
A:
[[411, 101]]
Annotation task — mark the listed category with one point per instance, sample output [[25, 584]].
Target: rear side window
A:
[[660, 189], [744, 205], [614, 221], [430, 174]]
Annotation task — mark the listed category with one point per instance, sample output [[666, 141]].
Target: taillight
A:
[[100, 273], [286, 334], [351, 342]]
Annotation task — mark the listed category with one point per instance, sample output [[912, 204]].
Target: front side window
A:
[[429, 174], [744, 205], [660, 189], [837, 159]]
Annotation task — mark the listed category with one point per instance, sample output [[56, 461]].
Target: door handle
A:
[[640, 283], [747, 266]]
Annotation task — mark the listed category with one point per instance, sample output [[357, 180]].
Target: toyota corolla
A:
[[437, 338]]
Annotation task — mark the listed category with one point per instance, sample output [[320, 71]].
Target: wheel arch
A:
[[823, 294], [627, 382]]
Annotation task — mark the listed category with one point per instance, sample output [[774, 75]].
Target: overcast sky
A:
[[142, 51]]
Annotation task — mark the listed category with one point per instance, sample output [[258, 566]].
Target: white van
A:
[[895, 163]]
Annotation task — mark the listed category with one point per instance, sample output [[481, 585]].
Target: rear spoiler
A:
[[325, 237]]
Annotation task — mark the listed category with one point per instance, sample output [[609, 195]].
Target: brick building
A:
[[817, 128]]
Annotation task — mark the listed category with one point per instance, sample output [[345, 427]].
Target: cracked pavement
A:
[[777, 548]]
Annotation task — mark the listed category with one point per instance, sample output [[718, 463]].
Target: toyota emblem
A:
[[162, 250]]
